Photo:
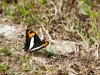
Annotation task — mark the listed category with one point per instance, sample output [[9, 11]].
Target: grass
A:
[[23, 58], [42, 12], [15, 72], [5, 51], [39, 72], [27, 67], [30, 17], [3, 68], [94, 15]]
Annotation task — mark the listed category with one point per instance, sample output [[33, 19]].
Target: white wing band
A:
[[36, 48], [31, 43]]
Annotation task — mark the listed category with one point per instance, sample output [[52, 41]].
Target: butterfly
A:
[[33, 42]]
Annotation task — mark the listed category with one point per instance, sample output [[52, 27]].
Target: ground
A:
[[73, 36]]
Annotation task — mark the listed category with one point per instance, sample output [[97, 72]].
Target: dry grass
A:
[[73, 36]]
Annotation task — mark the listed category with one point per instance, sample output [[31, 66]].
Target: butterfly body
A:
[[33, 42]]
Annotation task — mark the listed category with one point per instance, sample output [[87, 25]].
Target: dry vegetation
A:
[[70, 26]]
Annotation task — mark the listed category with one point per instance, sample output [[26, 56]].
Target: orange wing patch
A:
[[46, 43], [31, 34]]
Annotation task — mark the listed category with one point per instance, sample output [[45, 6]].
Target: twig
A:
[[53, 41]]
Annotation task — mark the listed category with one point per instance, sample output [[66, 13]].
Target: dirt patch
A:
[[73, 48]]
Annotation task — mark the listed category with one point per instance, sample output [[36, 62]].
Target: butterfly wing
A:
[[37, 43], [33, 42], [27, 41], [40, 46]]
